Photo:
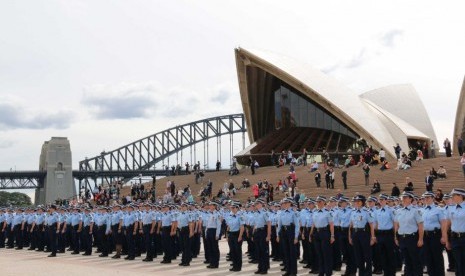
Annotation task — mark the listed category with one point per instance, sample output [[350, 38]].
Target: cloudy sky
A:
[[105, 73]]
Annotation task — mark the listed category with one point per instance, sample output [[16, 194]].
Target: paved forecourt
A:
[[23, 262]]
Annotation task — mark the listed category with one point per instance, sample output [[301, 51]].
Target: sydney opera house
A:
[[289, 105]]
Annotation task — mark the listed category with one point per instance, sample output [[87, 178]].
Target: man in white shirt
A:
[[382, 155]]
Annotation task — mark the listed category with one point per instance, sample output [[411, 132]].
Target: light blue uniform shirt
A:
[[76, 218], [116, 217], [51, 219], [322, 218], [360, 217], [148, 217], [408, 219], [30, 218], [432, 217], [456, 215], [234, 222], [261, 219], [344, 216], [214, 222], [17, 219], [40, 218], [287, 218], [88, 219], [385, 218], [129, 219], [305, 217], [183, 219], [166, 219]]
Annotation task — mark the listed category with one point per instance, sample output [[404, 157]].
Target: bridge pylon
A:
[[55, 160]]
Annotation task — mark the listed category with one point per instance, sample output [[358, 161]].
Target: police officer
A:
[[305, 217], [288, 234], [213, 228], [117, 230], [323, 236], [235, 226], [261, 236], [344, 214], [18, 227], [148, 226], [88, 227], [52, 222], [2, 228], [130, 227], [168, 231], [450, 256], [408, 224], [103, 222], [456, 221], [362, 235], [433, 222], [336, 247], [384, 217], [185, 224], [76, 223]]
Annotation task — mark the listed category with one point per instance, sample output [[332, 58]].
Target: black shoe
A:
[[184, 264], [86, 254], [212, 266], [52, 255], [116, 257], [19, 248], [307, 266], [313, 272], [235, 269], [147, 260], [206, 262], [253, 262], [283, 269], [303, 262], [30, 249], [263, 272], [74, 253], [378, 272], [165, 262], [103, 255], [129, 258]]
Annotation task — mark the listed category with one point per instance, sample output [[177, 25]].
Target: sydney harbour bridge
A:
[[191, 142]]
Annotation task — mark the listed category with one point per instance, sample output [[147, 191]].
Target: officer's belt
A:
[[432, 232], [407, 235], [344, 229], [320, 229], [355, 230], [288, 227], [458, 234], [382, 232]]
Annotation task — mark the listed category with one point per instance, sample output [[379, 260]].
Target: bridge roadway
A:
[[15, 262], [35, 179]]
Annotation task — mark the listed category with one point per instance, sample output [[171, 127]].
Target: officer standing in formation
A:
[[322, 233], [384, 218], [434, 220], [362, 235], [408, 224], [288, 234], [235, 224], [455, 221]]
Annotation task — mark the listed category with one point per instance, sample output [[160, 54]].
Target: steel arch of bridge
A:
[[142, 154]]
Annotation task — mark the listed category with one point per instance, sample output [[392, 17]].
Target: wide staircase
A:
[[306, 183]]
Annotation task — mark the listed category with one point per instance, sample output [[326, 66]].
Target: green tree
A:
[[14, 199]]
